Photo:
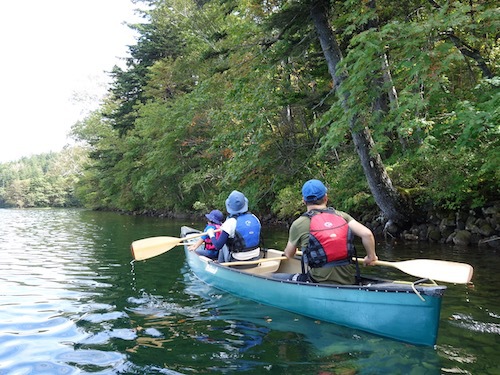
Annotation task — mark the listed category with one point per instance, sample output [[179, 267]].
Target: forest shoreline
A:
[[465, 228]]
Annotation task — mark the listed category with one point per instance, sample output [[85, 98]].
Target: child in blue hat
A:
[[214, 221]]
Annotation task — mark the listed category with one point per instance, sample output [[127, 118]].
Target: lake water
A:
[[73, 302]]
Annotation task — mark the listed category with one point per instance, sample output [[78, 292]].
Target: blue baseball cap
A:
[[313, 190], [215, 216], [236, 203]]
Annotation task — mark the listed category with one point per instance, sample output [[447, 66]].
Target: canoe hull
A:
[[389, 310]]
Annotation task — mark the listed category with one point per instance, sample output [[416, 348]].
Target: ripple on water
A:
[[41, 368], [92, 357], [467, 322], [72, 303], [49, 282]]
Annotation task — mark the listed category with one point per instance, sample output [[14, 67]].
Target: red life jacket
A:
[[330, 239], [208, 242]]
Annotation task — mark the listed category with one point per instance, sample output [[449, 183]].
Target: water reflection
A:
[[72, 302], [45, 276], [238, 335]]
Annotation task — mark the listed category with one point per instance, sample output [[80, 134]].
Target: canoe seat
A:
[[264, 267]]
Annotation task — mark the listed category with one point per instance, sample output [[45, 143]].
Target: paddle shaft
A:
[[154, 246], [438, 270], [249, 262]]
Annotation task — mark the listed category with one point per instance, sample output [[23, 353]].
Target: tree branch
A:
[[465, 49]]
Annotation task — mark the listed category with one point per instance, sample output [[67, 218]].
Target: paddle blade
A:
[[153, 246], [438, 270]]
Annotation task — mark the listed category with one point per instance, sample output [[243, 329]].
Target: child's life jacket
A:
[[208, 242], [330, 240]]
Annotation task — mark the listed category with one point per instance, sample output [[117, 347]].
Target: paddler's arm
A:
[[296, 236], [290, 250], [367, 239], [195, 245], [218, 242]]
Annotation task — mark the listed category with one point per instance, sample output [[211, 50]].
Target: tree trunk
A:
[[386, 196]]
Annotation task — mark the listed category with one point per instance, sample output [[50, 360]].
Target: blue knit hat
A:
[[236, 203], [215, 216], [313, 190]]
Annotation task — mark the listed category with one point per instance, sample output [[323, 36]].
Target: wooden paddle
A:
[[248, 262], [438, 270], [153, 246]]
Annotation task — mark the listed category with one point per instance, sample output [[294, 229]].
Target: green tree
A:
[[157, 40], [44, 180], [261, 96]]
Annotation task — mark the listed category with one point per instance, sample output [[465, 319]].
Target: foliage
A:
[[223, 95], [45, 180]]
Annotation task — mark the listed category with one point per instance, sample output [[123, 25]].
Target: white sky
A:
[[52, 51]]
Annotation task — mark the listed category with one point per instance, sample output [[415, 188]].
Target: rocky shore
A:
[[479, 227]]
